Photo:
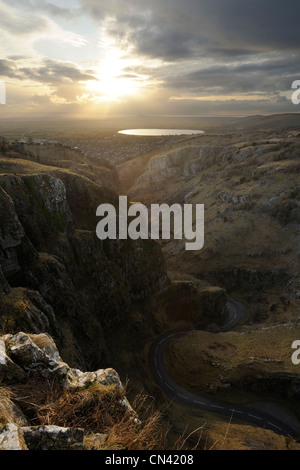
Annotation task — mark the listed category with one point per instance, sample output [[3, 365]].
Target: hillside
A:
[[249, 183], [78, 316]]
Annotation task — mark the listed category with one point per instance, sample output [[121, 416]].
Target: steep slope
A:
[[250, 189], [56, 276]]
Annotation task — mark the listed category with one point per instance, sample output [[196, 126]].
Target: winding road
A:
[[236, 312]]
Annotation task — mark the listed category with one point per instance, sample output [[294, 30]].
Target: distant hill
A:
[[274, 121]]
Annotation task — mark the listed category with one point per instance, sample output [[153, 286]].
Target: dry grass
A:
[[6, 405], [150, 433], [97, 409], [33, 395], [42, 340]]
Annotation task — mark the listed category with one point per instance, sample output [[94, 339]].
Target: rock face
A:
[[55, 275], [186, 161], [187, 301], [57, 280], [12, 438], [53, 438], [24, 356]]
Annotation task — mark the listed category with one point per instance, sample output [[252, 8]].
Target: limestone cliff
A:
[[55, 275]]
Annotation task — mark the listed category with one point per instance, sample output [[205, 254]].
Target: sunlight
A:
[[114, 81]]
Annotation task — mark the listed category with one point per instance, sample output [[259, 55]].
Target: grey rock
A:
[[12, 438], [8, 369], [53, 438]]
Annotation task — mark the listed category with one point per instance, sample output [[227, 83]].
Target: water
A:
[[158, 132]]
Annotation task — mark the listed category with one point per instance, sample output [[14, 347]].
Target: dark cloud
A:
[[8, 69], [180, 28], [42, 6], [50, 72], [205, 47], [260, 76], [210, 46]]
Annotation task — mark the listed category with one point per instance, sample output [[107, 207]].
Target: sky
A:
[[94, 58]]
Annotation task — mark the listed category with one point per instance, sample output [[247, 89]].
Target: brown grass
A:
[[149, 434], [42, 340], [96, 409], [6, 405]]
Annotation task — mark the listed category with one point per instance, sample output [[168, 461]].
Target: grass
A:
[[42, 340], [97, 409], [6, 405], [254, 363]]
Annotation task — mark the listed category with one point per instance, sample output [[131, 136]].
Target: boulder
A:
[[8, 369], [53, 438], [12, 438]]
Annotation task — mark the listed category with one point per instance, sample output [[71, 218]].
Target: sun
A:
[[114, 82]]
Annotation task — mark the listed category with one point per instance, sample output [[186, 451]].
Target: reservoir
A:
[[159, 132]]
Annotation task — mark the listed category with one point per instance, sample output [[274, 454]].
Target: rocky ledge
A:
[[24, 356]]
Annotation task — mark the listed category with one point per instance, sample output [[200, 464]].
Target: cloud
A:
[[48, 8], [8, 69], [53, 72], [184, 28], [185, 48], [209, 46], [31, 26], [48, 72], [21, 24]]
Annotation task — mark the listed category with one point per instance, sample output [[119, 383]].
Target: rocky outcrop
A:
[[185, 161], [12, 438], [13, 241], [53, 438], [23, 357]]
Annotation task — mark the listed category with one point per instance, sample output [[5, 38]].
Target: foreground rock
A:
[[11, 438], [24, 356], [53, 438]]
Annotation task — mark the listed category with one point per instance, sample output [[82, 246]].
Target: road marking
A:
[[157, 351], [256, 417], [166, 383], [236, 411], [179, 394], [200, 402], [274, 426]]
